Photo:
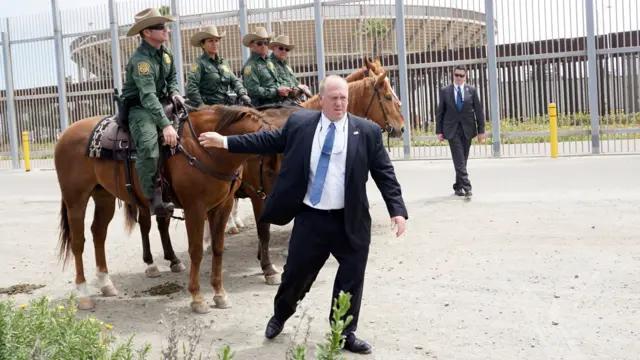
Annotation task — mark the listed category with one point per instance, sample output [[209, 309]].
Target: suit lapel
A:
[[352, 148], [307, 139]]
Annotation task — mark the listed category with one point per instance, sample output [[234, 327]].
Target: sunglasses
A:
[[157, 27], [260, 43], [459, 75], [282, 48]]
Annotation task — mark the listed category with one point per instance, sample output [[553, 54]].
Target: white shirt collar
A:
[[339, 124]]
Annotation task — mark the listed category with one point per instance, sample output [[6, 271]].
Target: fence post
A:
[[492, 66], [593, 77], [317, 14], [12, 119], [59, 60], [244, 29], [553, 129], [402, 72], [115, 45], [176, 40]]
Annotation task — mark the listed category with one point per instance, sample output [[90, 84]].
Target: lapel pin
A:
[[355, 133]]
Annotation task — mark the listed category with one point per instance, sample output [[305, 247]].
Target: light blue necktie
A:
[[323, 165], [459, 99]]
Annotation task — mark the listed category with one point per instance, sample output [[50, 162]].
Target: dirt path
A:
[[543, 242]]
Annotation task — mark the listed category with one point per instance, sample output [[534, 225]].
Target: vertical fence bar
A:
[[492, 66], [176, 39], [115, 45], [62, 96], [402, 72], [268, 15], [317, 11], [244, 28], [593, 77], [11, 105]]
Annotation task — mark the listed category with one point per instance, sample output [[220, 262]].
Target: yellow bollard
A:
[[25, 148], [553, 130]]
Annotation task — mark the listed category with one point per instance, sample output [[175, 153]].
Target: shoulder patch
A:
[[247, 70], [271, 65], [194, 67], [167, 58], [224, 68], [143, 68]]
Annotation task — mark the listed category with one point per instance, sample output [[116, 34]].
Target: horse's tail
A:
[[130, 217], [64, 242]]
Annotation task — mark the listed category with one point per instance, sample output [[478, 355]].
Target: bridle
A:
[[388, 128]]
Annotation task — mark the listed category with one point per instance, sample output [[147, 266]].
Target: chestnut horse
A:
[[202, 181], [371, 97]]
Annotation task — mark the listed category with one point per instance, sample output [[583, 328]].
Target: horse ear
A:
[[369, 64], [377, 60], [380, 79]]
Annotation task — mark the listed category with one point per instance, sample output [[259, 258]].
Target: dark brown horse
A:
[[370, 97], [203, 182]]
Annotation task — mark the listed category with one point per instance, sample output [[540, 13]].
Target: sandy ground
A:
[[543, 263]]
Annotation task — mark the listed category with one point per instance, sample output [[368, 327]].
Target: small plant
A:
[[42, 330], [193, 330]]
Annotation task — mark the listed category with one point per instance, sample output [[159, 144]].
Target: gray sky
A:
[[517, 20]]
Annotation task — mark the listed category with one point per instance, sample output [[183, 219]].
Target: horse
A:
[[260, 171], [201, 182]]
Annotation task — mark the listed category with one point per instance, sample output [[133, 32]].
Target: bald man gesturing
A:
[[322, 184]]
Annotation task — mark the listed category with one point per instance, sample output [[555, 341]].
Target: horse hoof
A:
[[200, 307], [240, 224], [273, 279], [222, 301], [178, 267], [109, 290], [152, 271], [234, 230], [85, 303]]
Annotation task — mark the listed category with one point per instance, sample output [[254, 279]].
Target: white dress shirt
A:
[[333, 188]]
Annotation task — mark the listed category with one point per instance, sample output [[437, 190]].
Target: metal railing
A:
[[62, 65]]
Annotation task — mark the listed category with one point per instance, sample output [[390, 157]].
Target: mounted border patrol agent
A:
[[210, 76], [150, 83], [259, 73], [280, 47]]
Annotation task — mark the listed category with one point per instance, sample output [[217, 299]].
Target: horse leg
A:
[[217, 217], [271, 275], [105, 207], [194, 219], [76, 207], [234, 215], [232, 225], [144, 221], [163, 227]]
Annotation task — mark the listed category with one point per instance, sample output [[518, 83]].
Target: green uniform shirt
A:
[[209, 80], [151, 76], [285, 72], [261, 80]]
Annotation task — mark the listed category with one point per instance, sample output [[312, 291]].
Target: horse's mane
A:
[[229, 114], [276, 106]]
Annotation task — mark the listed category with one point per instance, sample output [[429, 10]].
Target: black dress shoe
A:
[[356, 345], [459, 192], [274, 328]]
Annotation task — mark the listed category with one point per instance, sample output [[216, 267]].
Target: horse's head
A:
[[374, 99]]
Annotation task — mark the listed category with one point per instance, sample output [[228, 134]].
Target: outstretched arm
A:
[[263, 142], [384, 176]]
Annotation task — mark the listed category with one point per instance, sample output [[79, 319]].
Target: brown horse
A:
[[370, 97], [203, 182]]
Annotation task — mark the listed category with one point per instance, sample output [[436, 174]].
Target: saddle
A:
[[111, 139]]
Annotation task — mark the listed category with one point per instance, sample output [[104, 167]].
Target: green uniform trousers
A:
[[145, 135]]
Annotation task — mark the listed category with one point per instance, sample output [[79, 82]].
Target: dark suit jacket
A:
[[448, 117], [365, 153]]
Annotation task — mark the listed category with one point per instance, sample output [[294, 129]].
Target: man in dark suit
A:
[[459, 119], [322, 183]]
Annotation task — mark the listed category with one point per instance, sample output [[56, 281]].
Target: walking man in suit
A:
[[322, 183], [459, 119]]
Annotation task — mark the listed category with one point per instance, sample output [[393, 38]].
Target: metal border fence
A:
[[587, 61]]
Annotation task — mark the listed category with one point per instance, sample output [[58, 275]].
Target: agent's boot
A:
[[157, 206]]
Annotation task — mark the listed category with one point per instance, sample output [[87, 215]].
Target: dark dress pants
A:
[[460, 145], [315, 235]]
